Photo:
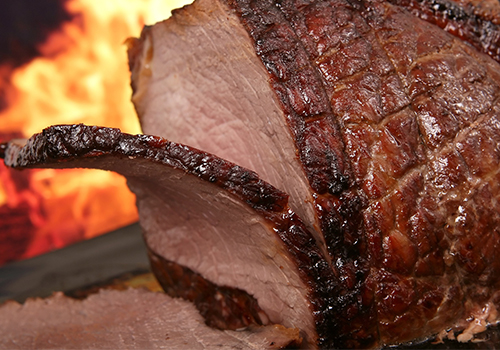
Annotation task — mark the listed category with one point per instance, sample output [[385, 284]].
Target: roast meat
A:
[[391, 112], [217, 234], [379, 123], [130, 319]]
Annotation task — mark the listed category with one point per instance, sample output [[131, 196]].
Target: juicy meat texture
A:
[[474, 21], [131, 319], [379, 119], [209, 224], [197, 81], [394, 122]]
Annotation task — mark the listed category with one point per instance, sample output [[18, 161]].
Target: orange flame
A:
[[82, 77]]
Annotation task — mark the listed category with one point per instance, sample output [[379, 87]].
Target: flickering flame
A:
[[82, 77]]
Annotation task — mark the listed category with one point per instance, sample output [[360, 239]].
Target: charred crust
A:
[[62, 143], [302, 53], [281, 41], [459, 21], [300, 90], [322, 282], [65, 142], [221, 307]]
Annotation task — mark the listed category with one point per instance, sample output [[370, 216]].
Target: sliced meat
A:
[[130, 319], [387, 113], [213, 220], [197, 81]]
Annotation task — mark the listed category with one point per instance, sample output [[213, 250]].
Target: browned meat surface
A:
[[396, 126], [198, 81], [381, 122], [210, 225], [131, 319], [474, 21]]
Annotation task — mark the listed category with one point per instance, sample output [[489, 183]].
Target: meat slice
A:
[[197, 81], [387, 114], [208, 223], [369, 116], [130, 319]]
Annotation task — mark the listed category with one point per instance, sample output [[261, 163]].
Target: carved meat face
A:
[[379, 128], [396, 127]]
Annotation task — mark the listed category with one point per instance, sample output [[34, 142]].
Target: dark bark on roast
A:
[[387, 112], [221, 223], [377, 121]]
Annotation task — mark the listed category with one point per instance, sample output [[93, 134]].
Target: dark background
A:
[[24, 24]]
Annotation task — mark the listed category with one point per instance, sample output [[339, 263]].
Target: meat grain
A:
[[388, 113], [220, 236], [130, 319], [379, 120]]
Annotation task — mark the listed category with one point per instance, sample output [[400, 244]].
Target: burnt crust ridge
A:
[[61, 143], [57, 146], [221, 307], [461, 21], [355, 80]]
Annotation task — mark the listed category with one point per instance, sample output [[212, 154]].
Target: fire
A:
[[81, 77]]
